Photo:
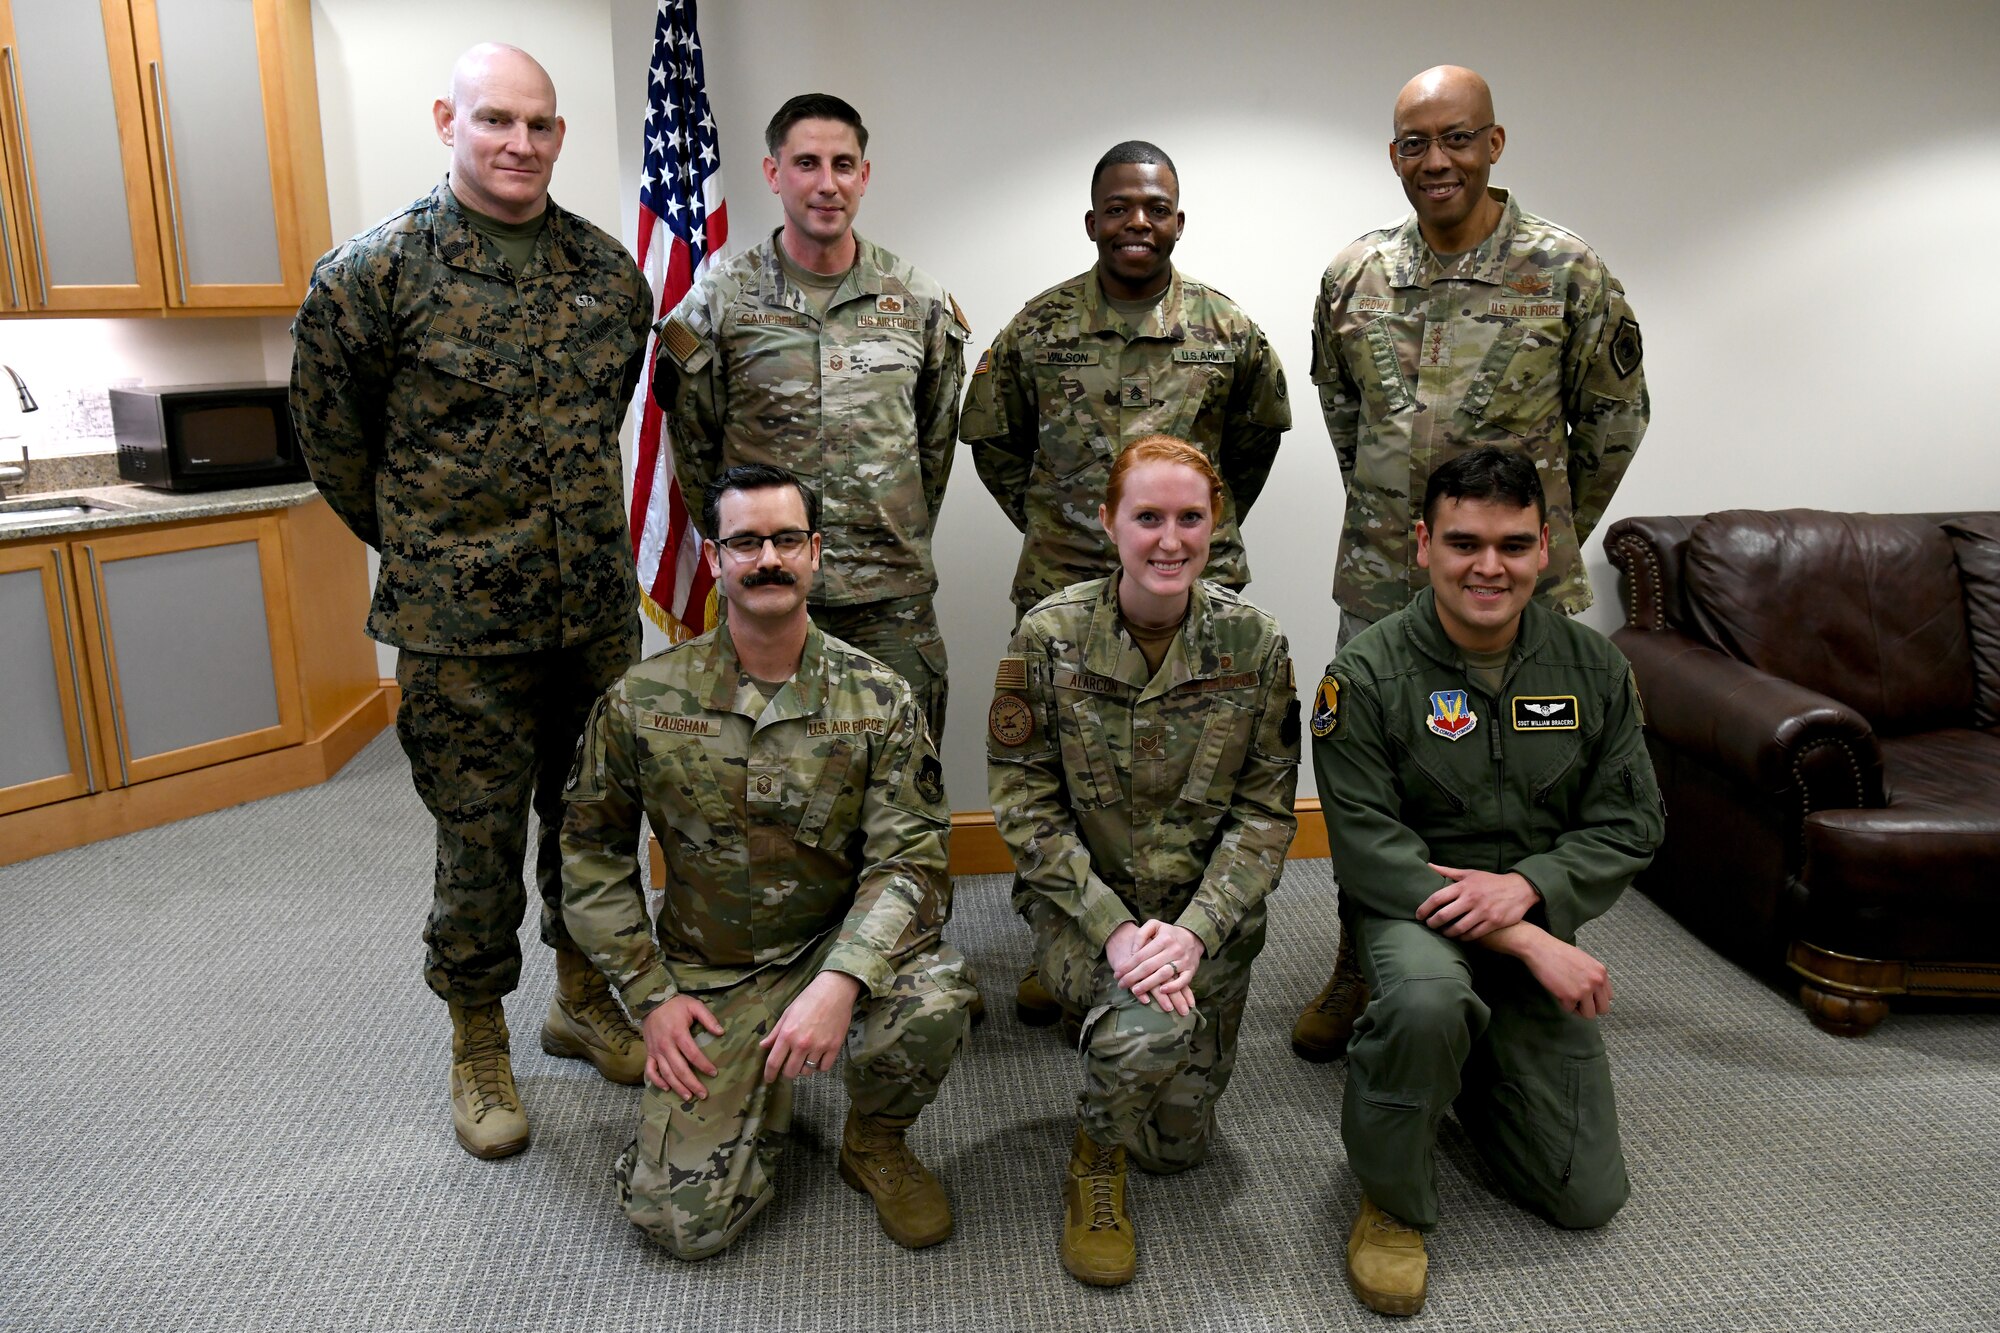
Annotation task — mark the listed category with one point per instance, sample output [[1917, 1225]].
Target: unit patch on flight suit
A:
[[1451, 714]]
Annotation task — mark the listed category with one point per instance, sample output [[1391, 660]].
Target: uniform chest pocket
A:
[[469, 365], [1518, 386], [1074, 434], [600, 353], [1088, 769], [1375, 357], [1438, 797], [832, 806], [681, 783], [1220, 748]]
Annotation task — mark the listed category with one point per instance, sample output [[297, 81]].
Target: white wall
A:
[[1796, 196]]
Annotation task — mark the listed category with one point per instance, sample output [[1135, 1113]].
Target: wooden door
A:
[[47, 755]]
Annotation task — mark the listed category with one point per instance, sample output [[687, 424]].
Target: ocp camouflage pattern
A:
[[820, 812], [1525, 342], [463, 419], [700, 1170], [1136, 794], [1071, 382], [860, 405]]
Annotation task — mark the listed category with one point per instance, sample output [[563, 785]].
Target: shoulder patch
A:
[[1627, 349], [680, 340], [1012, 675], [985, 362], [930, 779], [1326, 707], [1010, 721]]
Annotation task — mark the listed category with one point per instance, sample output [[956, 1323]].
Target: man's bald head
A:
[[1454, 83], [500, 122], [1444, 149]]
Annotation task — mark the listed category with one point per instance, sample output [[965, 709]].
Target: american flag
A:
[[683, 223]]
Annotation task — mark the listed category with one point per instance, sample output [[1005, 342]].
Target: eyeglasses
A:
[[747, 544], [1453, 141]]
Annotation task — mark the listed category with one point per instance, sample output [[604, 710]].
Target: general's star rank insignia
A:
[[1451, 714], [1326, 706]]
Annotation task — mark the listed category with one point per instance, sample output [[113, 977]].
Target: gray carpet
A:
[[222, 1106]]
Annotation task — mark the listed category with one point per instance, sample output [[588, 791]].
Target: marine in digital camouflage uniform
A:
[[1072, 380], [805, 835], [849, 379], [1124, 795], [1472, 323], [459, 409]]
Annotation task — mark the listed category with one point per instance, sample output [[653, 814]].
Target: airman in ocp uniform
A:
[[1472, 323], [799, 804], [460, 374], [824, 354]]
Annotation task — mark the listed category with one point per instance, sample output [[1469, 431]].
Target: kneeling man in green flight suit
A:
[[1487, 792], [799, 804]]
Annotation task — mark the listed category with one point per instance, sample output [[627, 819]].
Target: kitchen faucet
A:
[[11, 473]]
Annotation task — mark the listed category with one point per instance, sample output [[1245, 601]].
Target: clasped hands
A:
[[1156, 961], [805, 1042], [1479, 906]]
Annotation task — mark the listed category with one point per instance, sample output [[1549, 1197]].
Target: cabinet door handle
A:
[[7, 235], [75, 677], [27, 172], [173, 190], [110, 685]]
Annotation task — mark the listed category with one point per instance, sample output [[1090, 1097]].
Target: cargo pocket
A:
[[1092, 777], [1518, 387], [700, 816], [829, 816], [1218, 755]]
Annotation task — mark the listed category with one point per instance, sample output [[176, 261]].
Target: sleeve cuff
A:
[[864, 965], [1202, 925], [1104, 912], [648, 991], [1547, 880]]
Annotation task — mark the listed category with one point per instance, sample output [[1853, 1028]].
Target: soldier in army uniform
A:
[[1143, 749], [1130, 348], [460, 374], [1472, 323], [799, 803], [1481, 763], [825, 354]]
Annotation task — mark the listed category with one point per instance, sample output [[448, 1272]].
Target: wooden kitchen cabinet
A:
[[167, 670], [158, 156]]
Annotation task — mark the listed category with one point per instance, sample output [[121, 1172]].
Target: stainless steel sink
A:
[[33, 511]]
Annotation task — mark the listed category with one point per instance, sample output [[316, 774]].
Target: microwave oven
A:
[[205, 437]]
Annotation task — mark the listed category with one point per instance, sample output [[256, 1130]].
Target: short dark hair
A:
[[1488, 473], [1134, 152], [753, 477], [812, 106]]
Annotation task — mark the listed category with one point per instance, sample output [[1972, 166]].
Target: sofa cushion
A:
[[1913, 879], [1864, 608], [1976, 539]]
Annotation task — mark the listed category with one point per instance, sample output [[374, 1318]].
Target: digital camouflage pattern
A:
[[860, 405], [803, 835], [700, 1170], [903, 634], [488, 736], [462, 419], [1125, 795], [1525, 342], [1072, 381]]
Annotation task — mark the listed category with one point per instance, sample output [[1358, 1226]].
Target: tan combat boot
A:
[[1322, 1031], [585, 1023], [1386, 1265], [876, 1159], [485, 1109], [1033, 1004], [1098, 1243]]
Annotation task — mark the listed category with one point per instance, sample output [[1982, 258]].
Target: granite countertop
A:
[[125, 504]]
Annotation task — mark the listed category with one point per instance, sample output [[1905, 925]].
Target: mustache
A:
[[780, 577]]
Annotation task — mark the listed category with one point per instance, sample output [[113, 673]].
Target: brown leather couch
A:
[[1822, 698]]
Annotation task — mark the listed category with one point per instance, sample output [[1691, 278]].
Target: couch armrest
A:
[[1647, 552], [1777, 736]]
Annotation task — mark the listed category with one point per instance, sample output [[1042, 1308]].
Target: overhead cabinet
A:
[[158, 156]]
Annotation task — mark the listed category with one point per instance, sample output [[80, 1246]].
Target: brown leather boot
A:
[[585, 1022], [1099, 1245], [1033, 1004], [1386, 1264], [485, 1110], [1323, 1028], [875, 1158]]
